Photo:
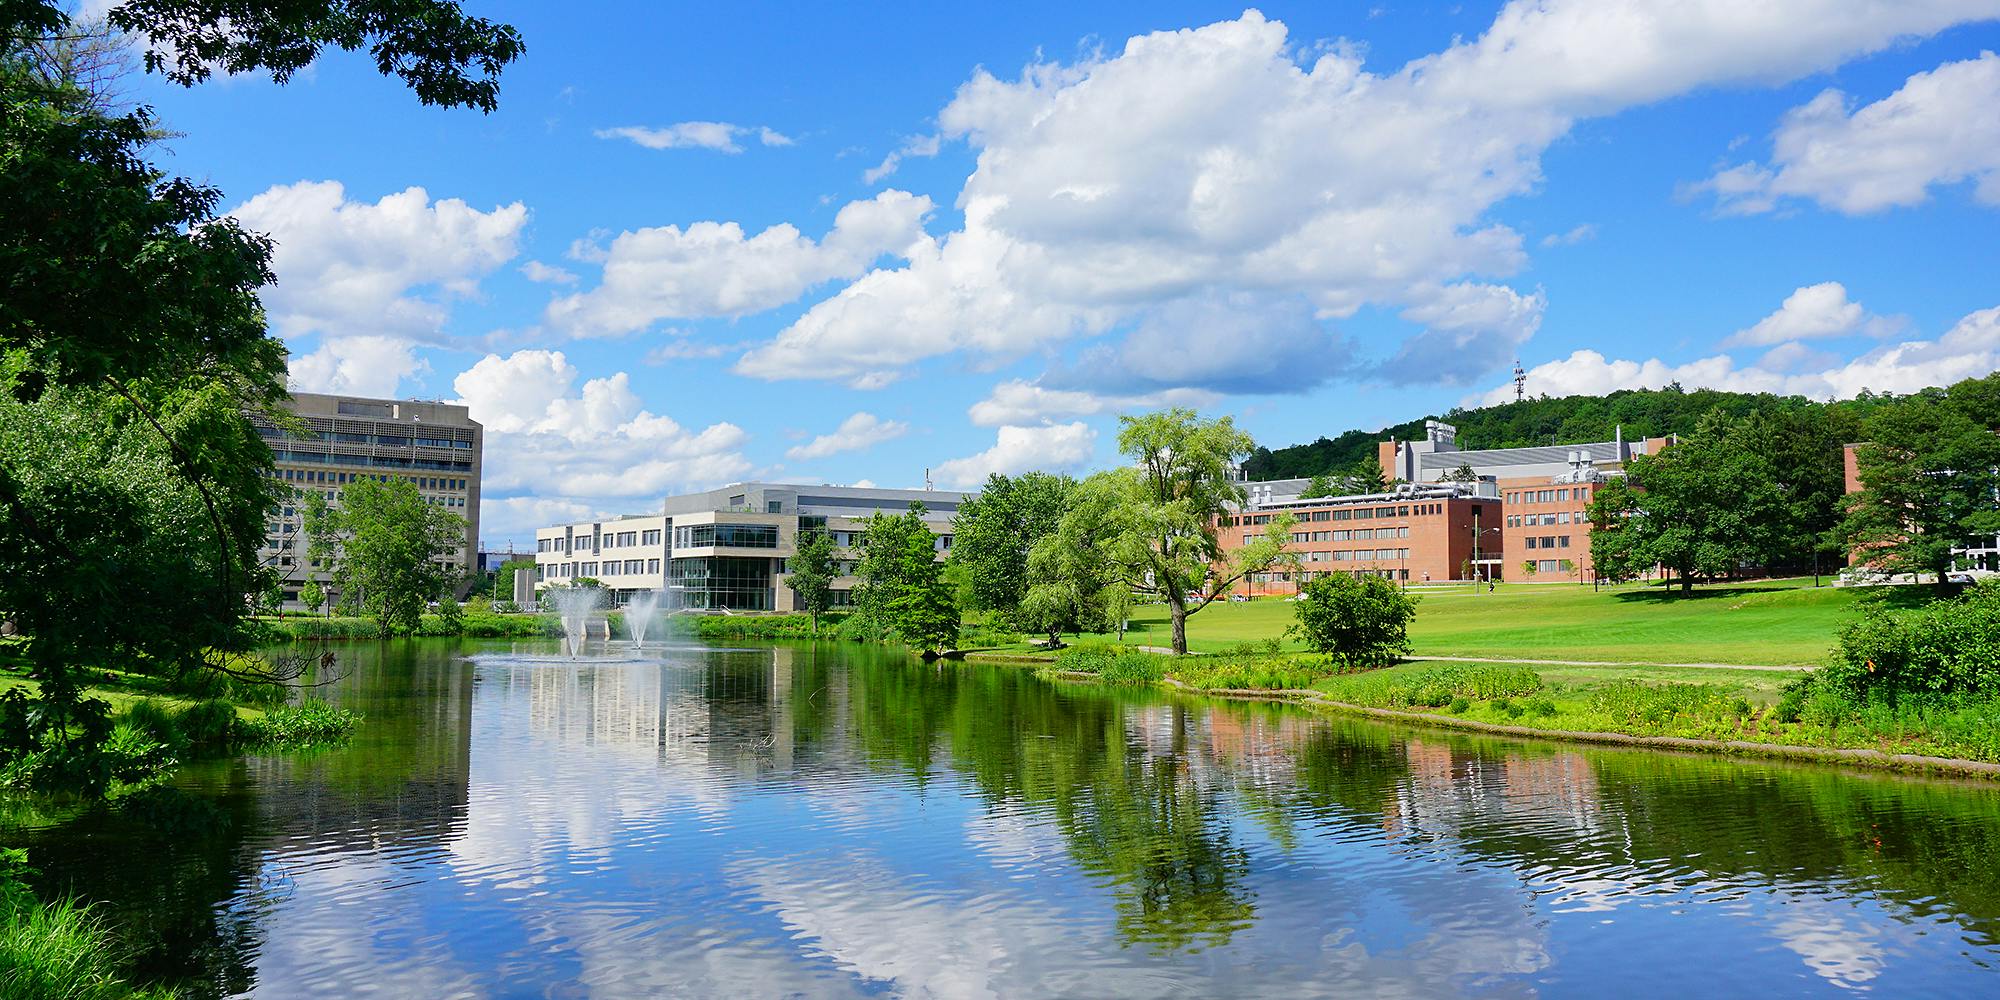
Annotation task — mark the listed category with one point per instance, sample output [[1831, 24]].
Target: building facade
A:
[[436, 446], [1979, 556], [728, 548], [1545, 492], [1410, 534]]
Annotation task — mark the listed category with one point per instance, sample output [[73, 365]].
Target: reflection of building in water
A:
[[1450, 788], [732, 709], [405, 780]]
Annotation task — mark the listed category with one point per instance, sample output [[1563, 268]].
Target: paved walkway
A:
[[1566, 663]]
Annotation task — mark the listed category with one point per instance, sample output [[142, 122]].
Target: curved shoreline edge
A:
[[1851, 756]]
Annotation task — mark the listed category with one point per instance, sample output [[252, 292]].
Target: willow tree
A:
[[1158, 521]]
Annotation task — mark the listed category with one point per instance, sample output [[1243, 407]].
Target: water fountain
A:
[[573, 606], [640, 611]]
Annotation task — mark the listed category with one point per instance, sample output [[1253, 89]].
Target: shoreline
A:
[[1860, 757]]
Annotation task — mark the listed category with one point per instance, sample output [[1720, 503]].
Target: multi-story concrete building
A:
[[727, 548], [436, 446]]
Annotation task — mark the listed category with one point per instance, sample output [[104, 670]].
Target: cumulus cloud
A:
[[715, 269], [1970, 349], [719, 136], [857, 433], [366, 365], [1053, 448], [1023, 402], [1237, 342], [388, 268], [1218, 161], [1821, 310], [1937, 129], [547, 439]]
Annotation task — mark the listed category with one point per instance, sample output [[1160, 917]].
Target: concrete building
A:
[[727, 548], [346, 439]]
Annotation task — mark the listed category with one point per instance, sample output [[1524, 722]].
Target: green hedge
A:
[[471, 623], [1945, 647]]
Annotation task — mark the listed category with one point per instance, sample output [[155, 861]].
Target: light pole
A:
[[1479, 568]]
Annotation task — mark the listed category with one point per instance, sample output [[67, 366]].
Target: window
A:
[[1562, 494], [1551, 566], [1562, 518], [1531, 541], [748, 536], [1562, 541], [635, 566], [627, 539], [774, 506], [649, 537], [652, 565]]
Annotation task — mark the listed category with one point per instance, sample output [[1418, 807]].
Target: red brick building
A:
[[1416, 534]]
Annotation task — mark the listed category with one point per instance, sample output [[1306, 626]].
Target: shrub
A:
[[1459, 705], [1113, 664], [208, 726], [1659, 707], [1944, 647], [156, 721], [1540, 707], [1357, 620], [307, 724], [1434, 686]]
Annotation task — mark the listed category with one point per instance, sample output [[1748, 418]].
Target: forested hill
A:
[[1641, 412]]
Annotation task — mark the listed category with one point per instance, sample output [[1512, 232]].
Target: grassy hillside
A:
[[1768, 623]]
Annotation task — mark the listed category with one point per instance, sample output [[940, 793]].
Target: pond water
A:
[[843, 820]]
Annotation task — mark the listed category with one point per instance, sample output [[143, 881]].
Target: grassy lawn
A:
[[1765, 623]]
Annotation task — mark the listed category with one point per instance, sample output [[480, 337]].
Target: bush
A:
[[1435, 686], [156, 721], [1113, 664], [307, 724], [1540, 707], [1361, 621], [1660, 707], [1459, 705], [208, 726], [1944, 647]]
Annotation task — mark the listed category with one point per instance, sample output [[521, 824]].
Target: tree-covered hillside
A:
[[1545, 420]]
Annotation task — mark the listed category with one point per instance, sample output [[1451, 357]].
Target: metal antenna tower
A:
[[1520, 381]]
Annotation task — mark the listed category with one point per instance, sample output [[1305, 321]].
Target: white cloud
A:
[[714, 269], [857, 433], [547, 274], [1821, 310], [1053, 448], [1939, 128], [360, 366], [1579, 234], [387, 268], [598, 446], [1212, 161], [718, 136], [918, 146], [504, 518], [1021, 402], [1970, 349], [1239, 342]]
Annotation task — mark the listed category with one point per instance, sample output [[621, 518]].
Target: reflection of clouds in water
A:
[[1013, 839], [1836, 945], [342, 923]]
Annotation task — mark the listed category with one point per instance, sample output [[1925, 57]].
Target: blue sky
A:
[[1313, 217]]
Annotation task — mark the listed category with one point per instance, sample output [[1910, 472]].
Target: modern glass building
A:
[[727, 549]]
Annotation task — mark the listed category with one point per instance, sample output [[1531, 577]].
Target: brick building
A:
[[1414, 533]]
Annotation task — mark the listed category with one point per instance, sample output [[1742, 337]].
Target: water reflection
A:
[[839, 820]]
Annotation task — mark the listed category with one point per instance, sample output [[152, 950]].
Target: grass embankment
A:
[[1763, 623], [55, 949], [1759, 710]]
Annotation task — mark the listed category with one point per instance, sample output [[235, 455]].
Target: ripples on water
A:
[[844, 821]]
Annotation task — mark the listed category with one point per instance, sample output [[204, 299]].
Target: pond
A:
[[844, 820]]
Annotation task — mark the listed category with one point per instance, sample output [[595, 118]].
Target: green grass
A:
[[1765, 623]]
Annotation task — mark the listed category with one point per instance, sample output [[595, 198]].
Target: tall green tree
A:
[[1161, 515], [993, 533], [1321, 485], [811, 574], [1702, 508], [1929, 471], [388, 561], [903, 593]]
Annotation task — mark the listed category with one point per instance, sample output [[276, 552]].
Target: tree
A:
[[1462, 474], [391, 538], [1160, 517], [1527, 567], [993, 533], [1359, 621], [1703, 508], [313, 596], [503, 578], [1073, 590], [811, 576], [1929, 472], [903, 593], [1367, 476], [1320, 486]]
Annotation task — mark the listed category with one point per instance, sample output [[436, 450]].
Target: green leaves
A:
[[1930, 469], [1358, 621], [390, 538]]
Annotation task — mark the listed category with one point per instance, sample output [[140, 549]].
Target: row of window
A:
[[1340, 514], [743, 536], [1350, 535], [1548, 541], [1559, 517], [1581, 494], [1307, 576], [390, 440], [378, 461], [333, 478], [1356, 555]]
